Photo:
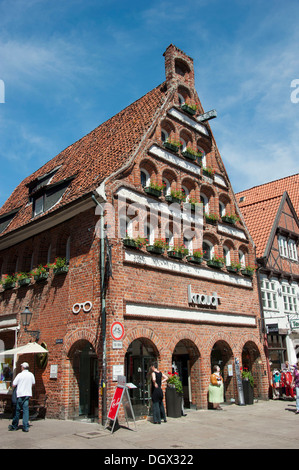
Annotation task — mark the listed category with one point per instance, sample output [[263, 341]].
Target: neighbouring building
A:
[[271, 215], [119, 303]]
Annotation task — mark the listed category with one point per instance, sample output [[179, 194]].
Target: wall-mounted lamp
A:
[[26, 319]]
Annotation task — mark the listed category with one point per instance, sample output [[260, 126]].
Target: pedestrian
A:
[[157, 393], [23, 381], [296, 385], [216, 388], [276, 384]]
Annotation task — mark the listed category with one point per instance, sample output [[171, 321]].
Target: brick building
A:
[[142, 173], [271, 215]]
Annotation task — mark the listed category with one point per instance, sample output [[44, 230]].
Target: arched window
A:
[[205, 203], [166, 186], [169, 237], [208, 250], [221, 209], [242, 258], [149, 233], [164, 135], [144, 178], [226, 254]]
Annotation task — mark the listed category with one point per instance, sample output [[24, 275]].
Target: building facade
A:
[[271, 213], [106, 204]]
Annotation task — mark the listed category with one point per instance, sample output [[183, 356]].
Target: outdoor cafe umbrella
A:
[[30, 348]]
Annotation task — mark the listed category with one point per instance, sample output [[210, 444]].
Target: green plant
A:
[[247, 375], [212, 216], [179, 249], [22, 275], [8, 279], [39, 270], [175, 142], [249, 269], [174, 379], [198, 253], [194, 152], [231, 217], [236, 265], [160, 243], [218, 259], [210, 171], [157, 186], [178, 194], [58, 263]]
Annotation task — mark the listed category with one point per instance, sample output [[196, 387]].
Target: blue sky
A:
[[69, 65]]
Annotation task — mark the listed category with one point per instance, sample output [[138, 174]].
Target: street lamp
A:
[[26, 316]]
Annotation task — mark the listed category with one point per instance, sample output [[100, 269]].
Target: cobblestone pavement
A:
[[264, 425]]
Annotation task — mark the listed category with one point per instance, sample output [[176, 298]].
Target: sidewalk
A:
[[264, 425]]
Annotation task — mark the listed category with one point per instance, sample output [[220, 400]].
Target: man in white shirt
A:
[[23, 381]]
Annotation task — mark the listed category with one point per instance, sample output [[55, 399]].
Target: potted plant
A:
[[234, 267], [134, 242], [173, 144], [23, 278], [40, 273], [196, 257], [60, 266], [248, 384], [174, 396], [208, 171], [247, 271], [177, 252], [175, 196], [211, 218], [191, 154], [8, 281], [190, 107], [154, 189], [158, 247], [216, 262], [230, 218]]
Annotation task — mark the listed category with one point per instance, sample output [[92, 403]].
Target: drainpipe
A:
[[103, 313], [263, 326]]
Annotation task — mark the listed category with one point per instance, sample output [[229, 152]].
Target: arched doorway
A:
[[84, 382], [222, 356], [185, 361], [251, 360], [140, 354]]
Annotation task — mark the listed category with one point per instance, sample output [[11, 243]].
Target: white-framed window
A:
[[269, 294], [226, 254], [242, 258], [205, 203], [186, 192], [292, 250], [184, 145], [149, 233], [39, 205], [287, 248], [208, 250], [203, 158], [164, 135], [166, 188], [289, 298], [181, 99], [169, 238], [221, 209], [144, 178]]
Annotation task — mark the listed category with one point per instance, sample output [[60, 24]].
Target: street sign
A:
[[117, 331]]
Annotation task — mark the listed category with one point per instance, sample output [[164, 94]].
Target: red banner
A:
[[115, 403]]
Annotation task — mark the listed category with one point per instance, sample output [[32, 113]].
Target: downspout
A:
[[103, 312], [263, 327]]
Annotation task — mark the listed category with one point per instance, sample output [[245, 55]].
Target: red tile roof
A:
[[260, 206], [92, 158]]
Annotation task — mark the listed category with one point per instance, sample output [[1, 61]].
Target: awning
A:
[[30, 348]]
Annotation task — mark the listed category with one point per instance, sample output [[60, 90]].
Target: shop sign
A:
[[294, 324], [272, 328], [203, 299]]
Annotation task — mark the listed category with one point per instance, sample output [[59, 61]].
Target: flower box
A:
[[232, 269], [24, 282], [247, 272], [41, 277], [208, 173], [211, 220], [190, 156], [155, 249], [61, 270], [8, 285], [172, 199], [130, 243], [228, 219], [215, 264], [174, 148], [175, 254], [153, 191], [194, 259], [188, 109]]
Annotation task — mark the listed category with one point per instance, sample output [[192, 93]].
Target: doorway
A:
[[140, 355]]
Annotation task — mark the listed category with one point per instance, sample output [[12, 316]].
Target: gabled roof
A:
[[260, 206], [91, 159]]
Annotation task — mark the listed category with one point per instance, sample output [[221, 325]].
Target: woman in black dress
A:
[[157, 393]]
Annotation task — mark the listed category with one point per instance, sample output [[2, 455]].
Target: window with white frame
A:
[[205, 203], [269, 294], [208, 250], [287, 248], [242, 258], [149, 233], [226, 254], [144, 178], [289, 298], [166, 187], [221, 209], [164, 135]]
